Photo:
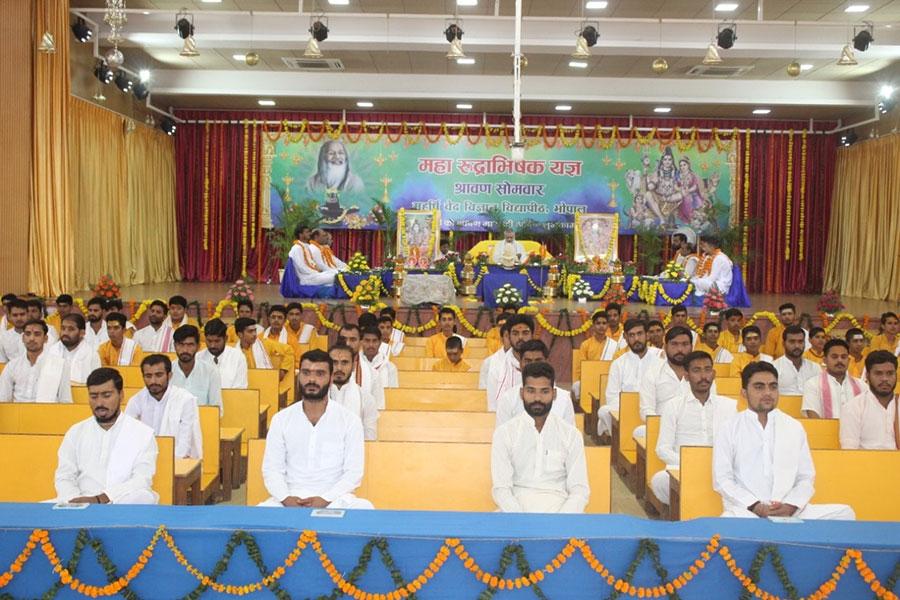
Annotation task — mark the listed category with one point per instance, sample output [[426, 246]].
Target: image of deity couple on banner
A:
[[671, 194]]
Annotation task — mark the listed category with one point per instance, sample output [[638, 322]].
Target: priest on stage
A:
[[715, 268], [509, 253]]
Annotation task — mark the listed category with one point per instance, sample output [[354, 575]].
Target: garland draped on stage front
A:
[[784, 181]]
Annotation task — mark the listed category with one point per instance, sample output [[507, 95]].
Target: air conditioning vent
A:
[[313, 64], [718, 71]]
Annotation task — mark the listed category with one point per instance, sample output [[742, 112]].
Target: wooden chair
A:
[[435, 399], [722, 369], [591, 373], [211, 463], [266, 381]]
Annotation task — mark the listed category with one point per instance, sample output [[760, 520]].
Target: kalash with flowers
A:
[[358, 263], [507, 296]]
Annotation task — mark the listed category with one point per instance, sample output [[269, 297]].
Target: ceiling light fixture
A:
[[726, 6], [848, 139], [660, 65], [318, 32], [806, 66], [144, 75], [103, 73], [467, 2], [863, 36], [464, 106], [578, 64], [81, 31], [453, 34], [712, 55], [251, 59], [586, 38], [141, 90], [886, 91], [466, 60], [857, 8], [364, 104], [662, 109], [563, 107], [726, 36], [239, 57], [886, 106], [761, 111], [185, 29], [339, 2], [123, 82], [168, 125], [596, 4], [266, 102]]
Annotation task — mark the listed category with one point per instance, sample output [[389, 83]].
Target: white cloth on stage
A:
[[204, 383], [720, 275], [686, 422], [359, 402], [536, 471], [232, 366], [119, 462], [867, 425], [306, 274], [790, 378], [47, 380], [95, 338], [155, 340], [176, 415], [81, 361], [625, 375], [510, 405], [755, 464], [304, 460]]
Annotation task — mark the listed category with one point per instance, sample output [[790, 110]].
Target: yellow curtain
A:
[[50, 240], [123, 196], [863, 254]]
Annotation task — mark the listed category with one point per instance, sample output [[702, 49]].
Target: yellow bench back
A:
[[479, 352], [441, 426], [790, 405], [629, 419], [443, 381], [28, 463], [266, 381], [209, 429], [722, 369], [592, 371], [80, 394], [424, 363], [241, 409], [435, 399], [471, 342], [654, 464], [132, 376], [433, 476], [854, 477]]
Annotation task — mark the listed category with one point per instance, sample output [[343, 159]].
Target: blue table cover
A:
[[495, 280], [291, 288]]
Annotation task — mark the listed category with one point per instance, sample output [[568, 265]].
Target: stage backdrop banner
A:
[[647, 183]]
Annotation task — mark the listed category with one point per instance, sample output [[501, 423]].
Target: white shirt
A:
[[791, 379], [867, 425], [658, 387], [385, 373], [687, 422], [722, 356], [504, 374], [360, 403], [720, 275], [626, 374], [542, 471], [744, 461], [155, 340], [510, 406], [11, 345], [100, 337], [302, 459], [486, 365], [204, 383], [84, 458], [232, 365], [23, 382], [82, 360], [841, 393], [181, 420]]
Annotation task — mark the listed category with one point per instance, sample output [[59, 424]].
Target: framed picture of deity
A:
[[596, 237], [418, 237]]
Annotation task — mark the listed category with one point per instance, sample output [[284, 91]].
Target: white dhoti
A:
[[604, 419], [659, 484], [347, 501], [324, 278], [827, 512]]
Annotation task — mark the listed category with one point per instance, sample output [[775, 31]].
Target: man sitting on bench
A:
[[314, 450], [537, 459], [453, 361], [762, 466], [109, 457], [510, 404]]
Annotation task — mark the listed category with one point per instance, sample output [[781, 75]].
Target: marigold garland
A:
[[745, 237], [222, 305], [802, 199], [141, 310], [789, 196], [650, 290], [80, 304]]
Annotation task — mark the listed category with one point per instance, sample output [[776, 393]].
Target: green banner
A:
[[682, 184]]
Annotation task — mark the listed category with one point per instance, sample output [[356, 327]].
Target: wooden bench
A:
[[591, 373], [28, 463], [434, 476], [439, 381], [471, 342], [441, 426], [266, 381], [424, 363], [435, 399], [419, 352], [860, 478], [80, 393], [242, 411]]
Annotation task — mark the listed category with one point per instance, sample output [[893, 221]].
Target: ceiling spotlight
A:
[[660, 66], [727, 35], [847, 58], [886, 91], [761, 111], [168, 125], [185, 29], [857, 8], [251, 59], [563, 107], [463, 106], [103, 73], [318, 32], [848, 138], [863, 37], [595, 4], [794, 69], [587, 38], [81, 31], [663, 110], [141, 91], [712, 56], [886, 106], [453, 34], [123, 82]]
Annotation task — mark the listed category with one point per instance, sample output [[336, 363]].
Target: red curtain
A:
[[218, 182]]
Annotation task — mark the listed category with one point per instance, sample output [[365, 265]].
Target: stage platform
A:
[[233, 550]]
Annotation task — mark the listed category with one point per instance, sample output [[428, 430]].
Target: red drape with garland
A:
[[218, 187]]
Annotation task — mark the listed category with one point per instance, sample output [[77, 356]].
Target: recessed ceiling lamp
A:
[[364, 104], [239, 57], [467, 2], [662, 109], [318, 32], [587, 37], [339, 2], [578, 64], [454, 34], [465, 60], [563, 107], [185, 29], [726, 6], [464, 106], [857, 8], [761, 111], [266, 102], [596, 4]]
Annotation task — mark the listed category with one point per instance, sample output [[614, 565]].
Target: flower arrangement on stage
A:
[[714, 301], [239, 291], [581, 290], [830, 303], [106, 287], [506, 295], [598, 264], [616, 294], [368, 291], [534, 259], [628, 267], [358, 263], [481, 261], [673, 272]]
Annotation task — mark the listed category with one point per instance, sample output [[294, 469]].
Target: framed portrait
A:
[[418, 237], [596, 236]]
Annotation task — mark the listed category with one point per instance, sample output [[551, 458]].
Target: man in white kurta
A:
[[199, 378], [627, 372], [375, 354], [537, 459], [709, 343], [869, 421], [762, 466], [230, 362], [95, 333], [491, 362], [314, 450], [720, 273], [825, 394], [509, 253], [37, 375], [505, 372], [793, 369], [308, 273], [691, 419], [81, 357], [157, 336], [109, 457], [667, 381], [348, 394], [11, 345], [510, 403], [166, 408], [363, 374]]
